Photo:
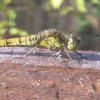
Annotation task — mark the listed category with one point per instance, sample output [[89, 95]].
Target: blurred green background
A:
[[22, 17]]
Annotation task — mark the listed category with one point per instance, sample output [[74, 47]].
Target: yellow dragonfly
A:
[[51, 38]]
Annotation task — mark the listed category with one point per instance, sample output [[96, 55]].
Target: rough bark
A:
[[43, 76]]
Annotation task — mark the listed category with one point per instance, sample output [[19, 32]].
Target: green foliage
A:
[[47, 6], [66, 10], [8, 24], [52, 4], [77, 7], [80, 4], [11, 16], [1, 6], [4, 3], [95, 1], [14, 31], [96, 8], [3, 28], [83, 24], [7, 1], [56, 3]]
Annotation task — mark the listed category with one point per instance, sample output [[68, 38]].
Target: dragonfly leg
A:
[[78, 53], [81, 56], [32, 49], [58, 53], [68, 54], [12, 51], [26, 53]]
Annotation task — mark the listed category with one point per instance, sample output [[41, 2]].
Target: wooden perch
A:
[[43, 76]]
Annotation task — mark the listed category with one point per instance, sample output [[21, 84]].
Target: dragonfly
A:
[[53, 39]]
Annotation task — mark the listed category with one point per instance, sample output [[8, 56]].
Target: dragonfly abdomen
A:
[[50, 38], [19, 41]]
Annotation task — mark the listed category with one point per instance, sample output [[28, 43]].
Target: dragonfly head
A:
[[73, 41]]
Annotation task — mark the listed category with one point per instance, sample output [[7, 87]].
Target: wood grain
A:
[[43, 76]]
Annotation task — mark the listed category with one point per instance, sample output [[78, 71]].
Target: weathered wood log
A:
[[44, 76]]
